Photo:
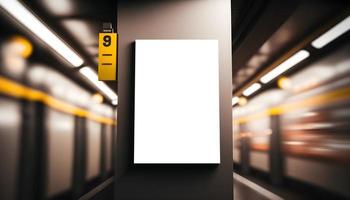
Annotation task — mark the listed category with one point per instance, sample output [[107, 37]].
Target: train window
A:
[[108, 148], [60, 141], [93, 149], [10, 125]]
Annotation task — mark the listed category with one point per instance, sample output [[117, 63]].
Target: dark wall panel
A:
[[172, 19]]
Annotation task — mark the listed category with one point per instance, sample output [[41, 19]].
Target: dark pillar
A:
[[245, 155], [172, 19], [276, 158], [79, 157]]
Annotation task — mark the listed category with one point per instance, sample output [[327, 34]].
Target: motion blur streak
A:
[[301, 132]]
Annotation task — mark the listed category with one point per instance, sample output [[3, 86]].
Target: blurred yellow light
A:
[[97, 98], [25, 47], [284, 83], [242, 101]]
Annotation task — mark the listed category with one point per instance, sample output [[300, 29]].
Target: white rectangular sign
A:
[[177, 102]]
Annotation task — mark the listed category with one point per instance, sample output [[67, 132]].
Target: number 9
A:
[[107, 40]]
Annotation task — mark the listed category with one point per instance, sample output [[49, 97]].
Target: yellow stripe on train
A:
[[13, 89], [330, 97]]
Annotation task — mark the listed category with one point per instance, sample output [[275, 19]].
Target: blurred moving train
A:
[[56, 142], [302, 132], [56, 131]]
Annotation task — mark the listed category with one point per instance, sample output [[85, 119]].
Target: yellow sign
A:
[[107, 56]]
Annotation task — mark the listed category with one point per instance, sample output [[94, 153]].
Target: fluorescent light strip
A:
[[287, 64], [115, 102], [29, 20], [93, 78], [235, 100], [252, 89], [336, 31]]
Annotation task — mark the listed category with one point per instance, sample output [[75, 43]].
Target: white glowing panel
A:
[[177, 102]]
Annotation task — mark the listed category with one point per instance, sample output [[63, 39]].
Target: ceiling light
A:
[[284, 66], [234, 100], [61, 7], [93, 78], [30, 21], [115, 102], [332, 33], [251, 89], [82, 31]]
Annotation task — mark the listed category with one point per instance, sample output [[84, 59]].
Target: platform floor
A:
[[244, 189]]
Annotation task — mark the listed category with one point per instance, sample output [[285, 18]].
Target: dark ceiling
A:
[[264, 30]]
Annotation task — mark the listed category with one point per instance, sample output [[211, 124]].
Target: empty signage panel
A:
[[177, 102]]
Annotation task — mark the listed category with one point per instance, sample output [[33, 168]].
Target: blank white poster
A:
[[177, 102]]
